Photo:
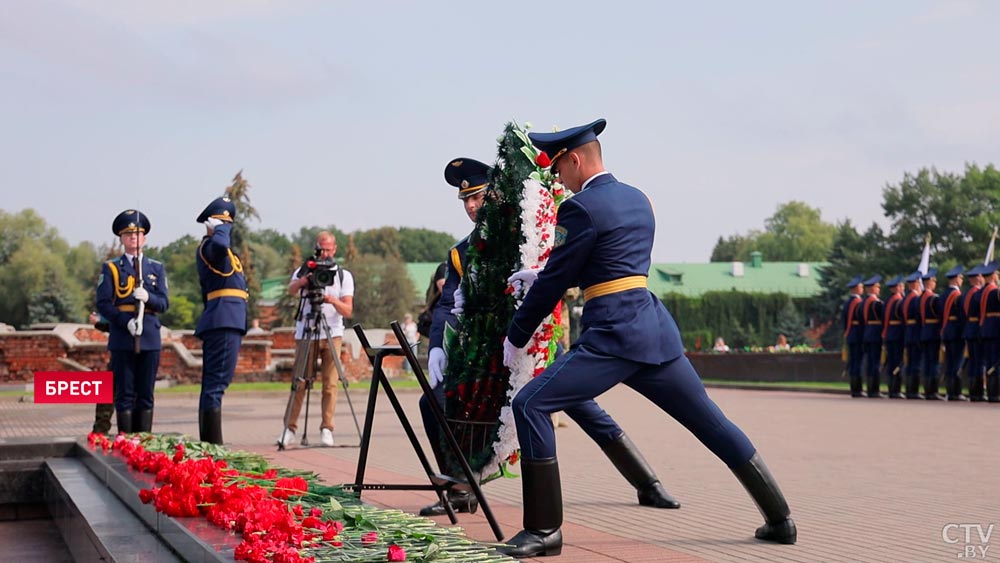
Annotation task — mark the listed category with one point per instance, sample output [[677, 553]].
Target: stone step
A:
[[95, 524]]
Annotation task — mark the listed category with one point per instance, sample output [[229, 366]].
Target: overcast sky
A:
[[346, 112]]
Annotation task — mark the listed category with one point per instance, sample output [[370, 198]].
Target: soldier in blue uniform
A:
[[892, 337], [854, 333], [911, 336], [930, 335], [952, 326], [872, 314], [989, 331], [603, 239], [224, 320], [471, 177], [970, 334], [120, 293]]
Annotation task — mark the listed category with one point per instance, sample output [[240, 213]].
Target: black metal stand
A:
[[438, 484]]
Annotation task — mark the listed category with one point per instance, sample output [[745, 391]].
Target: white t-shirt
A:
[[333, 318]]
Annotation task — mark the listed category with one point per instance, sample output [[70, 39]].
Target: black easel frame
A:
[[438, 484]]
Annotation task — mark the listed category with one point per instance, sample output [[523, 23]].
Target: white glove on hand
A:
[[509, 351], [459, 306], [437, 361], [140, 294], [523, 279], [212, 223], [134, 328]]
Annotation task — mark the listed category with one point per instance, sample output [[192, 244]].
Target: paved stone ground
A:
[[867, 480]]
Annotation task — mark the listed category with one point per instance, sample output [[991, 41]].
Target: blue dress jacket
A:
[[223, 286], [116, 304], [604, 235]]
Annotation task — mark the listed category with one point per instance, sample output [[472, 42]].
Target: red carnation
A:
[[397, 553], [542, 160]]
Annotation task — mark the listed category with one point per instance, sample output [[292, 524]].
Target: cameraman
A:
[[338, 304]]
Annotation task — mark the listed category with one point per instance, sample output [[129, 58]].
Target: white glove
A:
[[509, 351], [437, 361], [212, 223], [140, 294], [134, 328], [459, 306], [523, 279]]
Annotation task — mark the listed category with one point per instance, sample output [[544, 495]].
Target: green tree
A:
[[382, 290], [795, 233], [37, 287], [423, 245], [958, 211], [383, 241]]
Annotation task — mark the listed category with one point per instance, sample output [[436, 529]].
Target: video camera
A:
[[321, 273]]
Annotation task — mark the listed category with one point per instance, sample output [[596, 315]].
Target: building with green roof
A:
[[797, 279]]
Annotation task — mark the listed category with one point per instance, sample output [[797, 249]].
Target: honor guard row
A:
[[919, 335]]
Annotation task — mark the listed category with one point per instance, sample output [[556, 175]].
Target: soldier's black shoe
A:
[[656, 496], [628, 460], [124, 421], [933, 397], [896, 396], [876, 395], [917, 396], [210, 426], [758, 481], [781, 532], [858, 395], [541, 494], [957, 398], [460, 501], [531, 543], [977, 398]]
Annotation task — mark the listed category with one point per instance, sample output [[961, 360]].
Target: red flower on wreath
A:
[[542, 160]]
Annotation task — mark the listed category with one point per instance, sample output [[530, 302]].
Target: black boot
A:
[[955, 392], [895, 386], [124, 422], [460, 501], [143, 421], [913, 387], [627, 458], [210, 426], [856, 391], [931, 388], [993, 387], [102, 418], [542, 499], [759, 482], [873, 387]]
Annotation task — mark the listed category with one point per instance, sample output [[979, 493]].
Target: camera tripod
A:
[[307, 352]]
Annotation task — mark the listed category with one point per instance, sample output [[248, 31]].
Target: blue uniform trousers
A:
[[854, 352], [952, 361], [894, 362], [220, 351], [575, 378], [134, 378], [974, 367]]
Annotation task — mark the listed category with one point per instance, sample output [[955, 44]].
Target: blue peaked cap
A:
[[931, 273], [221, 208], [988, 269], [468, 175], [955, 272], [559, 143], [895, 281], [129, 221], [872, 280], [913, 277], [856, 280]]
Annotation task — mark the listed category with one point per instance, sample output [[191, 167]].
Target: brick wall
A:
[[263, 357]]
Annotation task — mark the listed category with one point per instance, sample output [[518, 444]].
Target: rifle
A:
[[141, 305]]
